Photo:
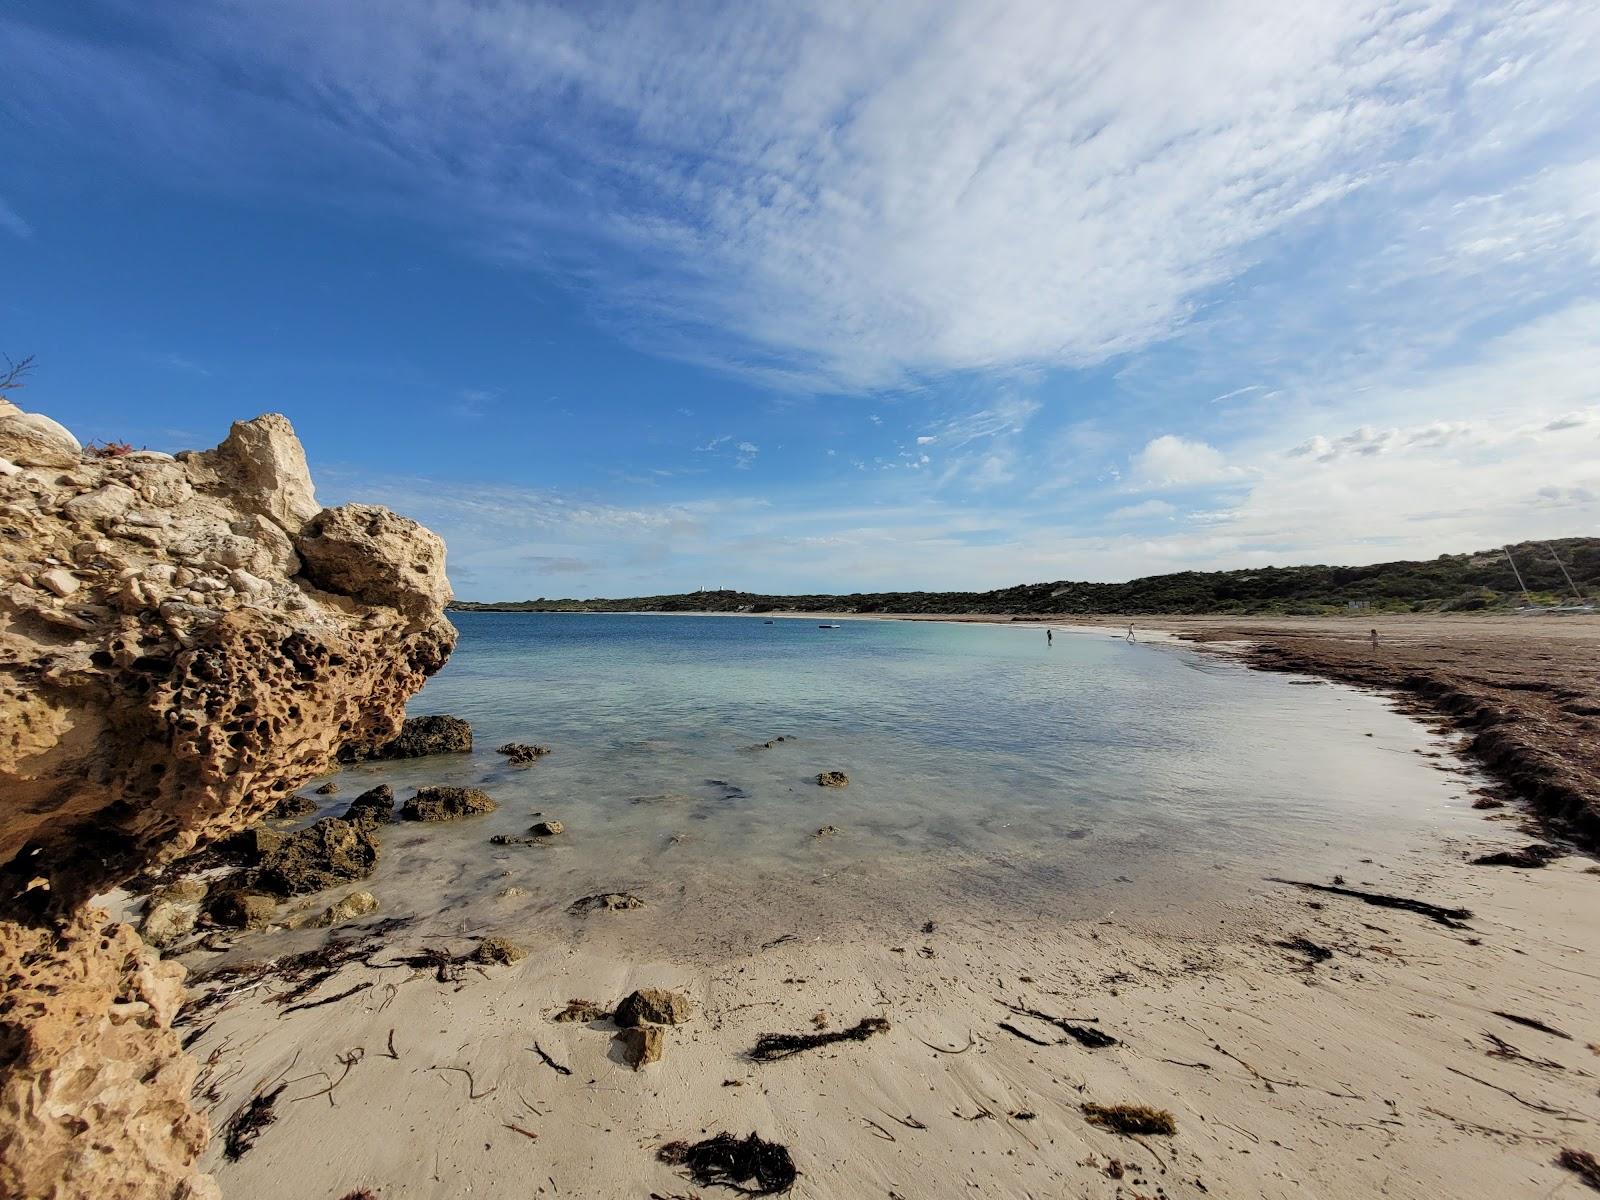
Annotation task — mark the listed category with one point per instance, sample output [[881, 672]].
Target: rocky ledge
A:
[[184, 640]]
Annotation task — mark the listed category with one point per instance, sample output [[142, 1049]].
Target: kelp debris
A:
[[1582, 1164], [1529, 857], [1093, 1039], [1452, 917], [305, 971], [582, 1011], [770, 1047], [1533, 1023], [1304, 945], [1131, 1119], [247, 1123], [727, 1161]]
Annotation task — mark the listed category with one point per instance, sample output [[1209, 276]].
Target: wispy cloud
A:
[[11, 221], [805, 194]]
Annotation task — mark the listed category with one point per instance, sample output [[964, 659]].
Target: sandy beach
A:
[[1304, 1042]]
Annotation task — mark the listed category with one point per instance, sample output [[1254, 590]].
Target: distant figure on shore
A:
[[1049, 637], [1130, 637], [1374, 639]]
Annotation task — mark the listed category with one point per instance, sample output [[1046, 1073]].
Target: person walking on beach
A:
[[1374, 639], [1130, 637], [1049, 637]]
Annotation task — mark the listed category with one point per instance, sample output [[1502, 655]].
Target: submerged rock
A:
[[833, 779], [515, 839], [609, 901], [447, 804], [655, 1006], [499, 950], [826, 831], [323, 855], [375, 806], [419, 738], [520, 753], [328, 789], [643, 1044], [546, 828]]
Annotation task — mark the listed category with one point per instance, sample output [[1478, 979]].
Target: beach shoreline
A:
[[1304, 1040]]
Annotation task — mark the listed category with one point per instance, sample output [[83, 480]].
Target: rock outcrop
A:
[[184, 641], [419, 737], [447, 804]]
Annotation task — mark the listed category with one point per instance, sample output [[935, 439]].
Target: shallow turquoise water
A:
[[988, 770]]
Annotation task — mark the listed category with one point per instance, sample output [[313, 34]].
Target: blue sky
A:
[[823, 296]]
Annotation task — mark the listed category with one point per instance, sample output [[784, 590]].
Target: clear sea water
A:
[[990, 774]]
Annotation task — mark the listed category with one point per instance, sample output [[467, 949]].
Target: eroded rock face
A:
[[183, 642]]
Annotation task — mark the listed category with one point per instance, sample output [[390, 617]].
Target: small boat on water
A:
[[827, 627], [769, 622]]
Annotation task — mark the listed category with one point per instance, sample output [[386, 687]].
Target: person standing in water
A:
[[1374, 639], [1049, 637]]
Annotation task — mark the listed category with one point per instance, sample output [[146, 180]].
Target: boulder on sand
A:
[[419, 737], [323, 855], [447, 804], [654, 1006], [356, 904], [243, 909], [499, 950], [642, 1044]]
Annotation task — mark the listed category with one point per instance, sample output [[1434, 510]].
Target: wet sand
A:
[[1382, 1069]]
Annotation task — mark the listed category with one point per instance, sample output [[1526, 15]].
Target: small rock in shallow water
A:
[[515, 839], [547, 828], [420, 737], [447, 804], [834, 779], [610, 901], [292, 808], [826, 831], [643, 1044], [499, 950], [375, 806], [520, 753], [655, 1006], [328, 789], [356, 904], [322, 855]]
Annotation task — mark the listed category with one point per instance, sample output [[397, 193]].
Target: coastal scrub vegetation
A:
[[1482, 581]]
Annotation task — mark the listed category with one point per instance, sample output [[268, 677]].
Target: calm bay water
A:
[[988, 771]]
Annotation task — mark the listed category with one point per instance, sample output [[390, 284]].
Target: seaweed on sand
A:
[[1581, 1163], [246, 1124], [1131, 1119], [1452, 917], [305, 972], [770, 1047], [1093, 1039], [727, 1161]]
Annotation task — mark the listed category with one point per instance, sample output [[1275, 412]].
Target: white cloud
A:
[[850, 196], [1147, 510], [1171, 461]]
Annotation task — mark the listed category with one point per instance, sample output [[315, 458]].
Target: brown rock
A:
[[581, 1011], [420, 737], [833, 779], [323, 855], [609, 901], [521, 754], [546, 828], [367, 552], [243, 910], [655, 1006], [375, 806], [291, 808], [356, 904], [447, 804], [328, 789], [643, 1044], [499, 950]]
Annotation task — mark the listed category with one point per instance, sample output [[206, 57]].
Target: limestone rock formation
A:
[[654, 1006], [184, 641]]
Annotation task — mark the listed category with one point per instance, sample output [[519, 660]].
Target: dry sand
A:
[[1382, 1071]]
